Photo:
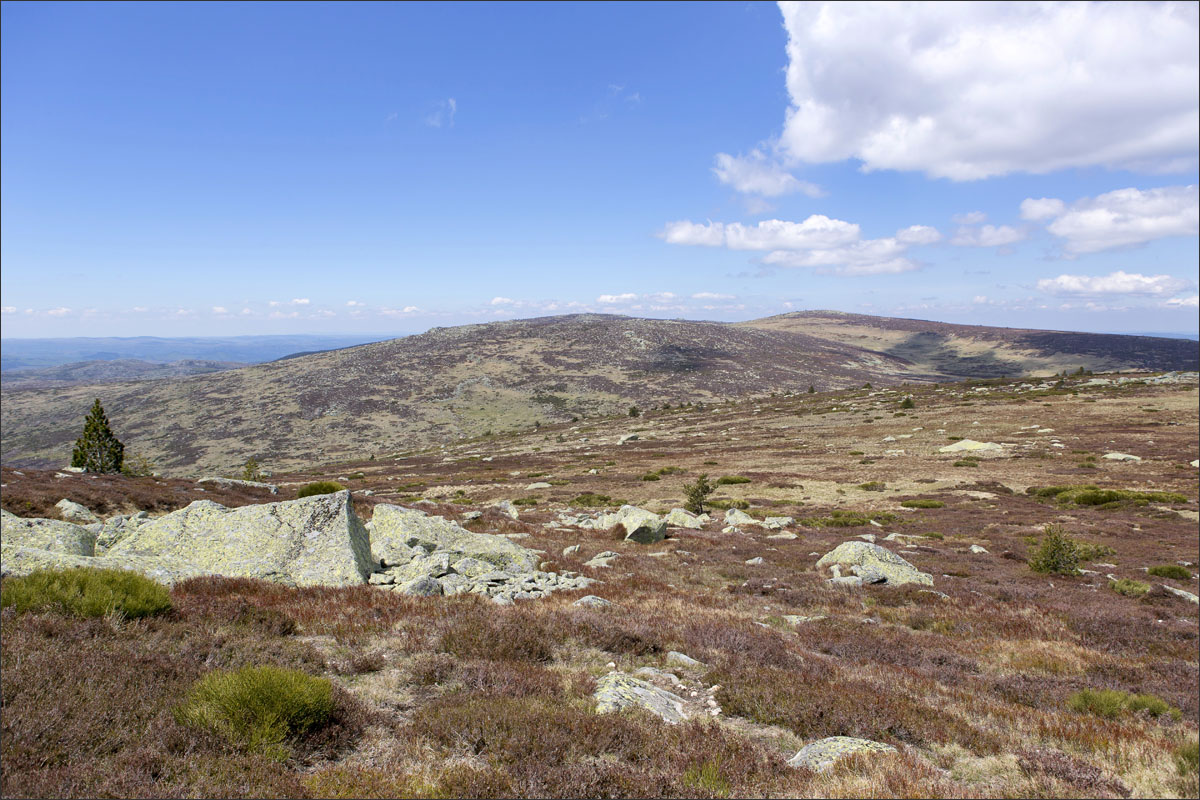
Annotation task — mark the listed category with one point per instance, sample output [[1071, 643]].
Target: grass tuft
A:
[[319, 487], [86, 592]]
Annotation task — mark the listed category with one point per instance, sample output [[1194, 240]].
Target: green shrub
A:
[[1087, 551], [651, 476], [725, 504], [258, 708], [86, 592], [873, 486], [856, 453], [922, 504], [1091, 495], [1057, 554], [525, 501], [1128, 587], [729, 480], [592, 500], [908, 403], [319, 487], [1112, 703], [966, 462], [1187, 758], [1171, 571], [707, 779]]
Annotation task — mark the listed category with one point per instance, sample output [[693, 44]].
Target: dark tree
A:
[[697, 493], [98, 450]]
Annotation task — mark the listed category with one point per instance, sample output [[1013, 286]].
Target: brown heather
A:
[[455, 697]]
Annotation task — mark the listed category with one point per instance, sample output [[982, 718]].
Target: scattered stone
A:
[[233, 483], [821, 755], [602, 559], [867, 537], [507, 508], [1191, 598], [1121, 457], [640, 525], [796, 619], [873, 564], [679, 518], [74, 512], [970, 445], [537, 485], [775, 523], [677, 659], [754, 562], [592, 601], [571, 549], [616, 691], [978, 550], [735, 517], [786, 535], [470, 515], [628, 437]]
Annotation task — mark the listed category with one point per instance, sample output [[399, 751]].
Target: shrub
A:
[[1187, 758], [651, 476], [1170, 571], [592, 500], [966, 462], [86, 592], [525, 501], [729, 480], [1057, 554], [697, 494], [908, 403], [725, 504], [873, 486], [98, 449], [634, 411], [258, 708], [1128, 587], [137, 465], [1112, 703], [251, 470], [319, 487], [922, 504]]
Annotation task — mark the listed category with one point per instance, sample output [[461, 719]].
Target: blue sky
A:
[[221, 169]]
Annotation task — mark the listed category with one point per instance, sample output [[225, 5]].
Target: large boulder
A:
[[397, 533], [640, 525], [872, 564], [114, 529], [735, 517], [74, 512], [821, 755], [51, 535], [308, 542], [18, 560], [616, 691], [679, 518]]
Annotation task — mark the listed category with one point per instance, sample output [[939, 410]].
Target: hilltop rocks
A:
[[74, 512], [821, 755], [616, 691], [50, 535], [233, 483], [312, 541], [871, 563], [971, 446]]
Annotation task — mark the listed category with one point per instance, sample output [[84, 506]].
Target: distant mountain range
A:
[[33, 353], [501, 377], [120, 369]]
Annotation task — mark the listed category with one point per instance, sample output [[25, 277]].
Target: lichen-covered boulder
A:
[[17, 560], [397, 530], [616, 691], [873, 564], [640, 525], [821, 755], [234, 483], [1121, 457], [313, 541], [74, 512], [736, 517], [114, 529], [679, 518], [51, 535]]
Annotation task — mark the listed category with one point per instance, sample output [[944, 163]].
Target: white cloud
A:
[[1183, 302], [410, 309], [1124, 217], [609, 299], [1037, 209], [986, 236], [502, 301], [300, 301], [8, 309], [1118, 282], [971, 90], [61, 311], [918, 234], [770, 234], [711, 296], [354, 303], [755, 174], [443, 114], [220, 310], [970, 218]]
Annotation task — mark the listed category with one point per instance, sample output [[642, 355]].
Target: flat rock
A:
[[971, 446], [821, 755], [1191, 598], [507, 508], [978, 550], [233, 483], [396, 531], [616, 691], [640, 525], [873, 564], [592, 601], [537, 485], [1121, 457], [313, 541], [677, 659]]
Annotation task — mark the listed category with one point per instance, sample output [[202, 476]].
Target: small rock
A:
[[978, 550], [677, 659], [821, 755], [616, 690], [424, 586], [571, 550], [592, 601], [537, 485], [754, 562], [1121, 457]]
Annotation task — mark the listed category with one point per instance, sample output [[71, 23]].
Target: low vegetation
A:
[[1092, 495], [85, 592], [1112, 703], [922, 503], [319, 487], [1173, 571]]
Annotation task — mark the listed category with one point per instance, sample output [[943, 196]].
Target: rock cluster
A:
[[871, 563], [640, 525], [616, 691]]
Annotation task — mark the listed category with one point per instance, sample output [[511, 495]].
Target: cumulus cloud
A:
[[1119, 282], [711, 296], [971, 90], [300, 301], [830, 245], [986, 236], [1183, 302], [61, 311], [354, 303], [970, 218], [609, 299], [1122, 218], [756, 174], [502, 301]]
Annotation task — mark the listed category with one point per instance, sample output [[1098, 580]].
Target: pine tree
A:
[[697, 493], [98, 450]]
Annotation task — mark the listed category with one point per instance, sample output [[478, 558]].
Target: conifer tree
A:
[[98, 450]]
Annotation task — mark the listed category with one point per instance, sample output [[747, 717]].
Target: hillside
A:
[[496, 378], [115, 370], [977, 351]]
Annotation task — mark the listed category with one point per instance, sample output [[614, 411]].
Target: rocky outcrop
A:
[[74, 512], [640, 525], [399, 535], [233, 483], [616, 691], [51, 535], [871, 563], [312, 541], [821, 755], [114, 529]]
